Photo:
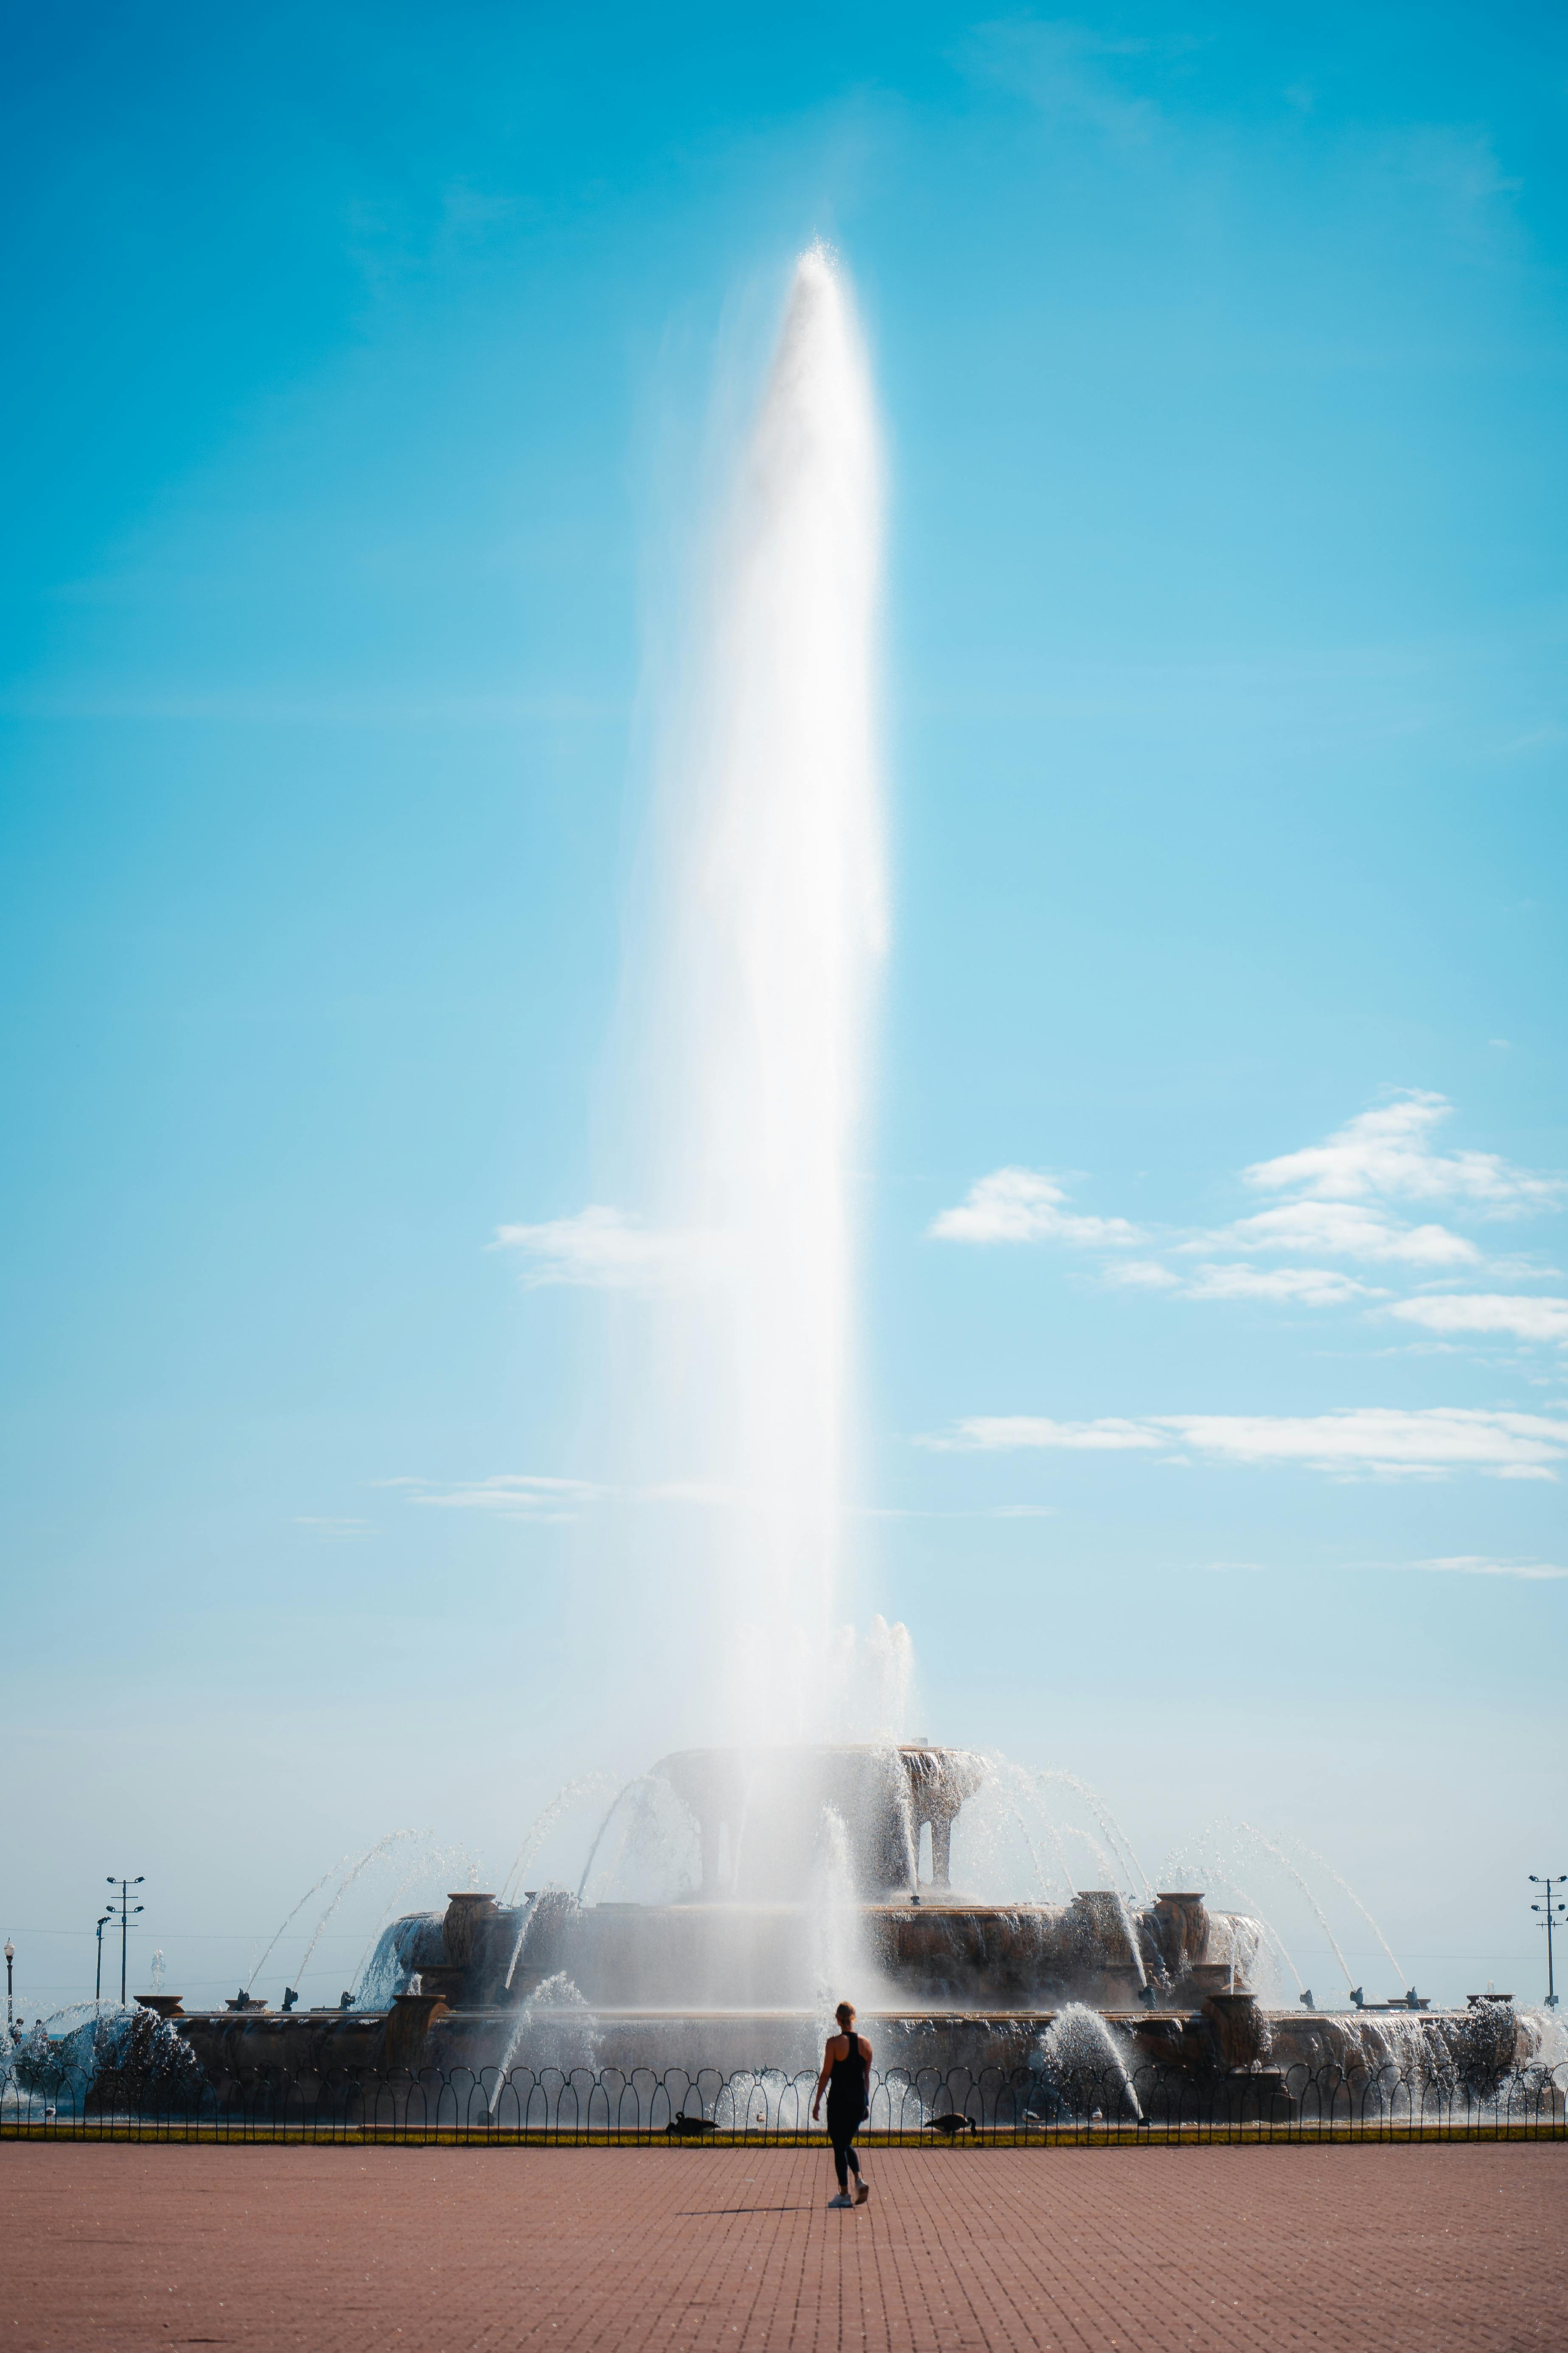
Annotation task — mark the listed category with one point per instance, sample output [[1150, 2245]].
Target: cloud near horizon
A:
[[1380, 1441], [1531, 1572]]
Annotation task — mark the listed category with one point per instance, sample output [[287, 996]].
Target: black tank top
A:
[[847, 2085]]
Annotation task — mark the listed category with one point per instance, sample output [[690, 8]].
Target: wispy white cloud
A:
[[1384, 1440], [1465, 1311], [1469, 1564], [1027, 1205], [993, 1433], [1141, 1274], [1307, 1286], [513, 1495], [1342, 1229], [603, 1248], [1387, 1154]]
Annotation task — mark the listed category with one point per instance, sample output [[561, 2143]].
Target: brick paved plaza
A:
[[334, 2250]]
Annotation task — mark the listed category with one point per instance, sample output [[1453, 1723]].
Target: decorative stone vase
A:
[[466, 1913]]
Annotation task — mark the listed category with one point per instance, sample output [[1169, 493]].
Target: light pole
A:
[[126, 1908], [10, 1956], [98, 1974], [1551, 1908]]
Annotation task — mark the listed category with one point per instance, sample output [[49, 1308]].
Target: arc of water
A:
[[1117, 1837], [1058, 1847], [530, 1911], [1022, 1789], [1283, 1859], [262, 1958], [1124, 1906], [382, 1846], [1345, 1887], [585, 1785], [1218, 1877], [457, 1855], [626, 1790], [1106, 1863]]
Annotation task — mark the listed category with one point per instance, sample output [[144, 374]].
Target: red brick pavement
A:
[[440, 2250]]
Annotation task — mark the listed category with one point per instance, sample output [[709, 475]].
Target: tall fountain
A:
[[751, 982], [812, 1856]]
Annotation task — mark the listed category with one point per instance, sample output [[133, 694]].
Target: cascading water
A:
[[755, 1001]]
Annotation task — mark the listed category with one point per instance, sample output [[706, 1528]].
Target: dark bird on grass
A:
[[951, 2126], [685, 2127]]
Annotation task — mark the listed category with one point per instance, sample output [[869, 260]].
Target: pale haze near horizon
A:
[[1215, 1393]]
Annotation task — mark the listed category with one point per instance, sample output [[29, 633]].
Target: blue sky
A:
[[362, 361]]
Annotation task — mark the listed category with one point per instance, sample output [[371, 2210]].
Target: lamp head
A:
[[10, 1950]]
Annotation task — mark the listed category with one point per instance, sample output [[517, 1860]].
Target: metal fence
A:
[[767, 2107]]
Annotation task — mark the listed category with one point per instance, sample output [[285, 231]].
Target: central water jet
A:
[[751, 1076]]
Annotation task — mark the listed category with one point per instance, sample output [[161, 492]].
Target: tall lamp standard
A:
[[10, 1956], [98, 1976], [126, 1908], [1552, 1908]]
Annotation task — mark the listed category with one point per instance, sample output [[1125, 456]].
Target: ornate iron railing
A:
[[764, 2106]]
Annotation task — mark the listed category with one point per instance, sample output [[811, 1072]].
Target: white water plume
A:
[[561, 2030], [1087, 2064], [746, 1084]]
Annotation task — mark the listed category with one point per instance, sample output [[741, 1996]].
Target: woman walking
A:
[[845, 2077]]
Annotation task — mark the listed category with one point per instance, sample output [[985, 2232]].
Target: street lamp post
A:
[[98, 1973], [1552, 1909], [10, 1956], [126, 1909]]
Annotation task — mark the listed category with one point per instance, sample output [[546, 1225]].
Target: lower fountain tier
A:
[[306, 2054], [950, 1954]]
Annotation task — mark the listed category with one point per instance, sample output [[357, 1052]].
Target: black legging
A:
[[841, 2132]]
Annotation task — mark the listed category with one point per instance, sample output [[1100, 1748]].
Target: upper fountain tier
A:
[[767, 1816]]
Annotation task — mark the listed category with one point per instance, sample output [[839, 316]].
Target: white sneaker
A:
[[842, 2199], [862, 2192]]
